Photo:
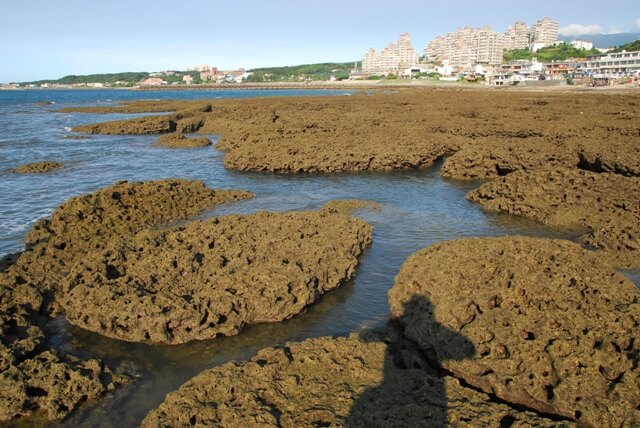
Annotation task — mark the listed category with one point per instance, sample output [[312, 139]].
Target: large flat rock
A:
[[354, 381], [539, 323], [486, 133], [213, 277], [606, 205]]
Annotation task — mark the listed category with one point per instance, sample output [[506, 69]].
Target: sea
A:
[[416, 209]]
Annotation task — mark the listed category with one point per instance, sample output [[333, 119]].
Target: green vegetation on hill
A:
[[109, 78], [633, 46], [297, 73], [560, 52]]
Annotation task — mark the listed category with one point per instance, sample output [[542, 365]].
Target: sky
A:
[[48, 39]]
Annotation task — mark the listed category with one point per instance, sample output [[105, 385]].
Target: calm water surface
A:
[[417, 208]]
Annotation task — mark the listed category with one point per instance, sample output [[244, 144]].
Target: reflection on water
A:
[[416, 209]]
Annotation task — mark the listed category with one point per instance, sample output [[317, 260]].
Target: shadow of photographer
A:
[[413, 391]]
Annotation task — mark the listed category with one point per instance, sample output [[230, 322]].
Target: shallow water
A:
[[417, 208]]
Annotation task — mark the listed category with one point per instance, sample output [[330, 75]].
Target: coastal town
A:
[[513, 57]]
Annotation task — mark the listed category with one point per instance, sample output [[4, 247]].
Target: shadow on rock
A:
[[414, 389]]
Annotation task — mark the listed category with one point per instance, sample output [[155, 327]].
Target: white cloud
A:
[[637, 24], [616, 29], [573, 30]]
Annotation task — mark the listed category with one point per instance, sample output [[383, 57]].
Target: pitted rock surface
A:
[[35, 379], [496, 132], [181, 141], [331, 382], [554, 328], [39, 167], [89, 222], [187, 120], [606, 205], [213, 277]]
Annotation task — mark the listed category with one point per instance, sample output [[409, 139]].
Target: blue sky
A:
[[52, 38]]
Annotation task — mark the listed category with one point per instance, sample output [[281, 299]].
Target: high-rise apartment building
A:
[[392, 59], [517, 36], [467, 46], [545, 32]]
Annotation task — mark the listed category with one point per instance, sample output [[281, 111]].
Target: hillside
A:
[[108, 78], [322, 71], [550, 53]]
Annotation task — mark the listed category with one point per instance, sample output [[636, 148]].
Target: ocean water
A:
[[417, 208]]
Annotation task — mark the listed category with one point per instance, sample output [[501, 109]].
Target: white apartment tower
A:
[[545, 32], [392, 59], [517, 36], [467, 46]]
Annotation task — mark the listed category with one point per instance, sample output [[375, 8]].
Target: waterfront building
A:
[[611, 64], [392, 59]]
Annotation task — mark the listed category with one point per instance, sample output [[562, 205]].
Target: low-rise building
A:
[[582, 44], [611, 64]]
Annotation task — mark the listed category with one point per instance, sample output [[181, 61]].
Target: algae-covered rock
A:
[[38, 167], [606, 205], [212, 277], [353, 381], [553, 327], [34, 378], [181, 141]]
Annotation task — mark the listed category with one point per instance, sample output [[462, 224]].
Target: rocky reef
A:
[[36, 380], [484, 133], [38, 167], [212, 277], [367, 380], [538, 323], [606, 205], [181, 141]]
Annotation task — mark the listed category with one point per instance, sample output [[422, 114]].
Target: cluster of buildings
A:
[[396, 56], [463, 47], [480, 51], [468, 46], [209, 74]]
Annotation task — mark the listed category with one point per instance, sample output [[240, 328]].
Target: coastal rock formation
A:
[[35, 378], [113, 214], [482, 161], [349, 381], [349, 206], [188, 120], [551, 326], [212, 277], [180, 141], [612, 155], [495, 132], [606, 205], [38, 167], [144, 106]]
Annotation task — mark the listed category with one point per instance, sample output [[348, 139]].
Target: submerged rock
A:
[[349, 381], [607, 205], [553, 328], [349, 206], [38, 167], [212, 277], [180, 141]]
